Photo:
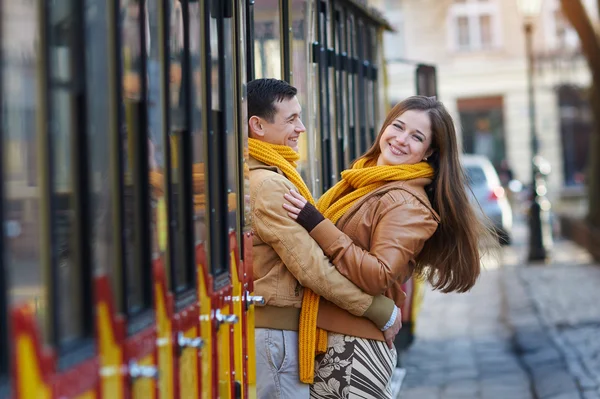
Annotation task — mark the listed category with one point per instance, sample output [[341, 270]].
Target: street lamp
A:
[[538, 233]]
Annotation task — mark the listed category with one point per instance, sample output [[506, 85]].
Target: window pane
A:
[[20, 34], [232, 151], [217, 128], [353, 113], [63, 114], [485, 25], [242, 117], [267, 48], [307, 166], [62, 131], [462, 25], [99, 158], [177, 110], [132, 60], [156, 145], [198, 137]]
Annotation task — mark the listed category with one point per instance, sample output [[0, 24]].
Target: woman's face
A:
[[407, 140]]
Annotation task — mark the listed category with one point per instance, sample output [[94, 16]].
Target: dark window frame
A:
[[82, 347], [142, 317], [285, 42], [180, 212], [218, 238]]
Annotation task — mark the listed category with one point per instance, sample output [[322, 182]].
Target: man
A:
[[285, 258]]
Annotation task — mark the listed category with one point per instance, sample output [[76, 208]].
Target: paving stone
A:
[[522, 332], [591, 395]]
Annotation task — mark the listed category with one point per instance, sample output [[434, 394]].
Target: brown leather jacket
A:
[[286, 259], [374, 245]]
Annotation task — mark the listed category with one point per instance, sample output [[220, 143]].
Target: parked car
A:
[[488, 194]]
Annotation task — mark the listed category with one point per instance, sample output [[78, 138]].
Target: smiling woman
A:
[[407, 140]]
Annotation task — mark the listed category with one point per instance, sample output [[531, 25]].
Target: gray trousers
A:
[[277, 365]]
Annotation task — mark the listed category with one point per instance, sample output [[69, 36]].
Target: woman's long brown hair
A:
[[450, 259]]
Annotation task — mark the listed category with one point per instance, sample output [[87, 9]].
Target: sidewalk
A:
[[522, 332]]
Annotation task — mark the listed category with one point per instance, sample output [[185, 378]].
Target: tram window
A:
[[198, 134], [20, 179], [4, 351], [69, 271], [371, 98], [218, 142], [156, 142], [71, 274], [308, 166], [341, 140], [182, 263], [242, 119], [353, 115], [218, 265], [267, 39], [361, 98], [324, 90], [232, 150], [101, 187], [136, 147]]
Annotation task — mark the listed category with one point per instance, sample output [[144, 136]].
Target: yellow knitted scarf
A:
[[312, 340], [361, 180]]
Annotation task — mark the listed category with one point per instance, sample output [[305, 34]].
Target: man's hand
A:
[[391, 332]]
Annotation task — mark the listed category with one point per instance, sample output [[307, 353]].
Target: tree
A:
[[584, 24]]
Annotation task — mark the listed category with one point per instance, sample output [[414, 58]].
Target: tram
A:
[[126, 258]]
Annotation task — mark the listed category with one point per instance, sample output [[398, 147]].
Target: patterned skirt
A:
[[353, 368]]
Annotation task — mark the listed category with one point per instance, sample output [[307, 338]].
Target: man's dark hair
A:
[[262, 95]]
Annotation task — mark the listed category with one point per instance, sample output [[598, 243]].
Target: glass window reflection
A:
[[267, 39], [20, 34], [103, 250]]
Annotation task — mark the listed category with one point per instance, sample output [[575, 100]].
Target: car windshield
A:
[[475, 175]]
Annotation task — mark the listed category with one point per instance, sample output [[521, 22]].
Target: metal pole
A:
[[537, 250]]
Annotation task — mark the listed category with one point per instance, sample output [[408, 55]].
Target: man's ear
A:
[[256, 127]]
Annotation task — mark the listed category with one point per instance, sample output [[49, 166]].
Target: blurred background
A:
[[489, 57]]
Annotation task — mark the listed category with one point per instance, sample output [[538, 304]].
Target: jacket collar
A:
[[415, 187], [254, 164]]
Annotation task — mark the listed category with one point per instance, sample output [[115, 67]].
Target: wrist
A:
[[392, 319], [309, 217]]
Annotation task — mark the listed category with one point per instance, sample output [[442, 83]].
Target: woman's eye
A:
[[418, 138], [397, 126]]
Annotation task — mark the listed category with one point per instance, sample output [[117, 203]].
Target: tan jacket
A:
[[374, 245], [286, 258]]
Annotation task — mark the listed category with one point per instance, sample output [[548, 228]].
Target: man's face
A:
[[286, 127]]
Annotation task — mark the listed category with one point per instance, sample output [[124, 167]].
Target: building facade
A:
[[478, 48]]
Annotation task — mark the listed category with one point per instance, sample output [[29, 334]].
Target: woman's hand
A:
[[296, 203]]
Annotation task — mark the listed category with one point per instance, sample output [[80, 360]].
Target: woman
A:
[[401, 211]]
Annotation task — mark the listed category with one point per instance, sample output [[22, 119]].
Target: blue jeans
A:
[[277, 365]]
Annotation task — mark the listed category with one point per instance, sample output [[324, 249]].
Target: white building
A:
[[478, 48]]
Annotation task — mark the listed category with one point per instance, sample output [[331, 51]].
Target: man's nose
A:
[[300, 126]]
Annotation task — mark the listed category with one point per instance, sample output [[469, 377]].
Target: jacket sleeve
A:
[[397, 236], [305, 259]]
